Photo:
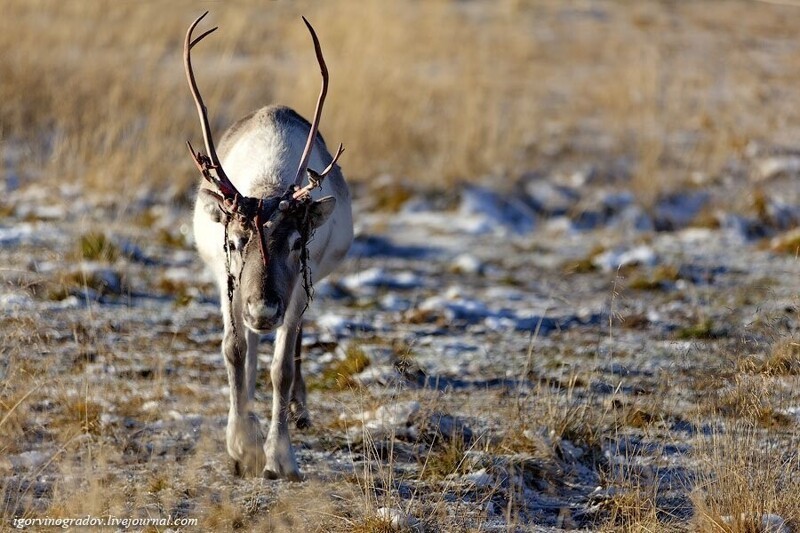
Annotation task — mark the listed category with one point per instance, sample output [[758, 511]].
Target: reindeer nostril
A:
[[262, 314], [261, 310]]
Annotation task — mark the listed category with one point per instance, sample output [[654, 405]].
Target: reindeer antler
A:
[[205, 163], [210, 166], [315, 178]]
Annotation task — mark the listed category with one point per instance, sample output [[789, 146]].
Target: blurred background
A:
[[654, 96]]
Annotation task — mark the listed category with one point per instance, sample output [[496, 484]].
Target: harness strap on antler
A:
[[259, 223]]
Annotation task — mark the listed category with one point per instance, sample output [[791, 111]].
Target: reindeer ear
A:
[[211, 203], [320, 210]]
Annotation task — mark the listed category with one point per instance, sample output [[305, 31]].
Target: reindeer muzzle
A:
[[262, 316]]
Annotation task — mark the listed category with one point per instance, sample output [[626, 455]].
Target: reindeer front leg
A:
[[244, 437], [252, 363], [278, 450]]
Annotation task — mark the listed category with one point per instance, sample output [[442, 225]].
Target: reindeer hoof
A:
[[303, 422], [292, 476], [236, 468]]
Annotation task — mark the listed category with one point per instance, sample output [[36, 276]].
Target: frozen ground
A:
[[554, 356]]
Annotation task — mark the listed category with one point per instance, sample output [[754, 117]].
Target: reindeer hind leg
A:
[[300, 415]]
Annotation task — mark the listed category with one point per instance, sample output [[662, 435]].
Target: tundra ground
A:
[[577, 309]]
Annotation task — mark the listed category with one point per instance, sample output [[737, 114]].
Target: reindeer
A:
[[267, 241]]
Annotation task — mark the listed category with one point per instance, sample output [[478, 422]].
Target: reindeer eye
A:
[[296, 244], [237, 243]]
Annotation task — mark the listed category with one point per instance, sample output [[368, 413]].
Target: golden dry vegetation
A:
[[432, 92]]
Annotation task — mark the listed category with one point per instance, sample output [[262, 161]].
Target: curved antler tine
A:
[[301, 169], [203, 164], [315, 178], [212, 161], [339, 152], [203, 35]]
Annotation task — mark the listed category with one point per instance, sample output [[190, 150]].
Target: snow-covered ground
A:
[[562, 340]]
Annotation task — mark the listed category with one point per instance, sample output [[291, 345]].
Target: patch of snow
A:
[[179, 275], [793, 412], [551, 199], [487, 212], [340, 326], [480, 478], [391, 415], [772, 167], [150, 406], [16, 301], [613, 259], [507, 294], [397, 520], [70, 302], [394, 303], [377, 277], [770, 523], [463, 309], [17, 235], [384, 375], [468, 264], [194, 419], [386, 420], [29, 460], [41, 212], [696, 235]]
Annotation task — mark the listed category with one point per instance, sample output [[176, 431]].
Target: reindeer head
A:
[[266, 239]]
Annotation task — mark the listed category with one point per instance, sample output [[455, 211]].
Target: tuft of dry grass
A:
[[661, 277], [783, 360], [787, 243], [444, 459], [752, 398], [96, 246], [13, 417], [339, 374], [756, 390], [703, 328], [633, 509], [745, 482]]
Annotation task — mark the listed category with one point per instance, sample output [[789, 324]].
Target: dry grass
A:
[[784, 359], [745, 480], [538, 436], [338, 375], [749, 459], [434, 92]]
